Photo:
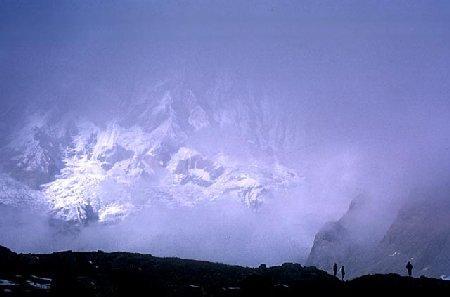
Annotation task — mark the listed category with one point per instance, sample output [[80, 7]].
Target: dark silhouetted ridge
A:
[[130, 274]]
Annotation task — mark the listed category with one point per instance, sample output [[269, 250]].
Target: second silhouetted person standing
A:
[[409, 267]]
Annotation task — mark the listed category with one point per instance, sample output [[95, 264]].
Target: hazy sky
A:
[[366, 82], [370, 72]]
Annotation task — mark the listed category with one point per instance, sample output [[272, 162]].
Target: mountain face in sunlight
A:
[[168, 147]]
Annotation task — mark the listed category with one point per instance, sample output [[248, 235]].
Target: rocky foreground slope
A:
[[126, 274]]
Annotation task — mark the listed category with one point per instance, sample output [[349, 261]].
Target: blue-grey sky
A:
[[368, 73]]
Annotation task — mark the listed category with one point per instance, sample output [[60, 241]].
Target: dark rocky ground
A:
[[127, 274]]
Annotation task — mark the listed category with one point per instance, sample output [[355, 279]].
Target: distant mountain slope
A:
[[170, 146], [420, 234], [346, 241]]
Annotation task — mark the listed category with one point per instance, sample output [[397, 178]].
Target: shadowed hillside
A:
[[128, 274], [420, 233]]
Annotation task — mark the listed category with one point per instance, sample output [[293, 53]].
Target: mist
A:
[[359, 91]]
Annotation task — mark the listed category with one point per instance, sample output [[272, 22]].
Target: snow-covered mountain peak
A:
[[169, 147]]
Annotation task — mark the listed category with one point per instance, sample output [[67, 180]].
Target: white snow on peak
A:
[[198, 118], [14, 193], [106, 172], [114, 212], [164, 106]]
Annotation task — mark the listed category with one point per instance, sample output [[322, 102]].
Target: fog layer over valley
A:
[[225, 132]]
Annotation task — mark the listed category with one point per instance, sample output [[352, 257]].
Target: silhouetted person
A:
[[343, 272], [335, 269], [410, 267]]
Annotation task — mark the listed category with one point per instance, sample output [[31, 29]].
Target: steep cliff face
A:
[[347, 241], [420, 233]]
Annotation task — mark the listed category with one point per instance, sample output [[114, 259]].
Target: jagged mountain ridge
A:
[[104, 170]]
